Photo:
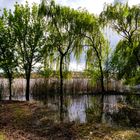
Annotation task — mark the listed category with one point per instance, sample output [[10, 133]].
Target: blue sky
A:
[[93, 6]]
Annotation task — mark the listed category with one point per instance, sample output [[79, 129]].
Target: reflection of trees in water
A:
[[133, 100], [94, 109], [88, 108], [122, 110]]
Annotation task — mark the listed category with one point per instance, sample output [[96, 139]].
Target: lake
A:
[[111, 109], [87, 108]]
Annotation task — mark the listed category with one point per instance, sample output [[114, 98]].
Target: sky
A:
[[93, 6]]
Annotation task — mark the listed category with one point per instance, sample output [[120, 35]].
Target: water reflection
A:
[[111, 106], [87, 108], [77, 107]]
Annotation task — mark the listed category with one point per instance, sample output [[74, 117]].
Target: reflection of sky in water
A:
[[77, 106], [76, 109]]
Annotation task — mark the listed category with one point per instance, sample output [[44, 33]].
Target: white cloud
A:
[[133, 2], [93, 6]]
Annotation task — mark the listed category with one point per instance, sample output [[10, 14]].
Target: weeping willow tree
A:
[[125, 21], [96, 48], [66, 28], [124, 63]]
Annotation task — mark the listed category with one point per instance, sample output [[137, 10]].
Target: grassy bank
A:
[[26, 121]]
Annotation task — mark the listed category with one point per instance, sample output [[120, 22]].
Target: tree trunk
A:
[[107, 80], [10, 88], [28, 85], [102, 76], [61, 88], [137, 58], [100, 67]]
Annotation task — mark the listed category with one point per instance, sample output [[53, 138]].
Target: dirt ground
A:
[[32, 121]]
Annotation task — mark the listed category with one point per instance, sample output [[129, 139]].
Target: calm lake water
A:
[[112, 109], [87, 108]]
